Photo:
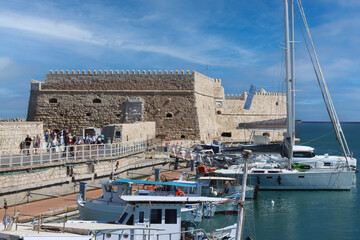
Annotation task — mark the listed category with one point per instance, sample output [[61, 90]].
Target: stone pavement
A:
[[52, 206]]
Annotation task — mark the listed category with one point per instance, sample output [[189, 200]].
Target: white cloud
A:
[[43, 26], [199, 48], [4, 62]]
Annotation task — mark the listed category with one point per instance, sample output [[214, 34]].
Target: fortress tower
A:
[[184, 105]]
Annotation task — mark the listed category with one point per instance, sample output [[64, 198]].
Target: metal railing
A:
[[68, 154]]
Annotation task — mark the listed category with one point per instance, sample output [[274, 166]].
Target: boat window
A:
[[257, 171], [155, 216], [131, 220], [141, 217], [108, 188], [170, 216], [115, 189], [327, 164], [268, 177], [273, 171], [304, 154], [123, 217], [301, 176]]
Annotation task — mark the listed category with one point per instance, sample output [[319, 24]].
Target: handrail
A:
[[68, 154]]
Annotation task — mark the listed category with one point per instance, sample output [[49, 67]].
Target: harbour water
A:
[[297, 215], [306, 214]]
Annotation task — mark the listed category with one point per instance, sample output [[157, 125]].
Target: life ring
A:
[[180, 193]]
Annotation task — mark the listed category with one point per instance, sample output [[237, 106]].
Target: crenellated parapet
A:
[[134, 80], [122, 72], [245, 94]]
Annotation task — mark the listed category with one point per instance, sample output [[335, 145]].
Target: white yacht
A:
[[303, 170]]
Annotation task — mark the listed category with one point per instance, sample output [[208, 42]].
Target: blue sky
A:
[[237, 41]]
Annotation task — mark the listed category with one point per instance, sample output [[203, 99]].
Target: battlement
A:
[[245, 94], [122, 72], [91, 73]]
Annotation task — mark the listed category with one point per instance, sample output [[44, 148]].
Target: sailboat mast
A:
[[289, 105], [241, 203], [292, 50]]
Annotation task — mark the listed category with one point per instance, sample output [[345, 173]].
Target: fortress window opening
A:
[[226, 134], [169, 115], [53, 100], [96, 100]]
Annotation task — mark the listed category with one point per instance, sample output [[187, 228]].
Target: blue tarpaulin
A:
[[250, 97], [124, 180]]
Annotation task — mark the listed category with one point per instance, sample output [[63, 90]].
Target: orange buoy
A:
[[202, 169], [180, 193]]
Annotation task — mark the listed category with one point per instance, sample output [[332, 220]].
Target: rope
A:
[[318, 137]]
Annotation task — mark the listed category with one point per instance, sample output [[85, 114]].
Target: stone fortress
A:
[[184, 105]]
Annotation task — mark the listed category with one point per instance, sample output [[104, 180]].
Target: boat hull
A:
[[110, 212], [326, 180]]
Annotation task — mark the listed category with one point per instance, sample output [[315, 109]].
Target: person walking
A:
[[28, 144]]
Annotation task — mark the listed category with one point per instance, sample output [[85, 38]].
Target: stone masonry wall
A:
[[265, 106], [13, 133], [163, 93], [183, 105]]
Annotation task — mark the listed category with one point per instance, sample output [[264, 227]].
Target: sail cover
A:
[[250, 97]]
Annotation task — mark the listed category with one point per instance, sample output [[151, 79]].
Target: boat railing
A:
[[65, 154], [197, 233]]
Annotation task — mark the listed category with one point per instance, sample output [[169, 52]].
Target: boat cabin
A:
[[218, 186], [303, 152]]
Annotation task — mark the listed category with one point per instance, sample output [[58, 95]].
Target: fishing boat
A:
[[321, 173], [110, 205], [144, 217]]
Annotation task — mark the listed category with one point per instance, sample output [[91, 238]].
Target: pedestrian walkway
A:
[[53, 206]]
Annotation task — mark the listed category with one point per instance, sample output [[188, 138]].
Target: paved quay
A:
[[52, 206]]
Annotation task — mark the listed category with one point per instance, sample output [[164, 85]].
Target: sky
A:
[[240, 42]]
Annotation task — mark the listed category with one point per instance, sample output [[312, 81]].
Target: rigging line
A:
[[312, 61], [328, 108], [334, 118], [317, 138], [252, 233]]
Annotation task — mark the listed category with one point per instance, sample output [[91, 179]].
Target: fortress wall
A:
[[189, 99], [207, 86], [207, 122], [206, 91], [13, 133], [73, 108], [266, 106], [136, 131], [123, 80]]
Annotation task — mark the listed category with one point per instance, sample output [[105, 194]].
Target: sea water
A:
[[287, 215], [305, 214]]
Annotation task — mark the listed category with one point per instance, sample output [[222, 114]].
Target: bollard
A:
[[83, 190], [192, 164], [157, 174]]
